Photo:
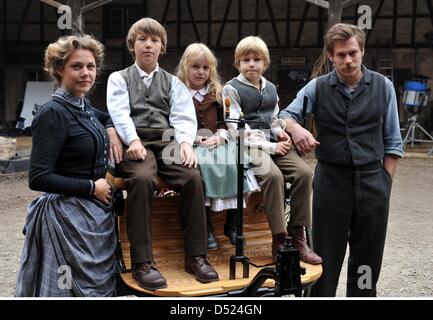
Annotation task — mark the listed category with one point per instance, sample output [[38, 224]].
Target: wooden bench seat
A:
[[169, 254]]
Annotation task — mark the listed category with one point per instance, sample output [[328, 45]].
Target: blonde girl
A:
[[198, 70]]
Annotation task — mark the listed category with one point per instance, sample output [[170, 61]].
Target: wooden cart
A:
[[169, 254]]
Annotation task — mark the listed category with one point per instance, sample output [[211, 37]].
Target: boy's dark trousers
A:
[[140, 181]]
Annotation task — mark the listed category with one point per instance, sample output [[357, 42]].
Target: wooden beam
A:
[[145, 5], [355, 20], [234, 20], [273, 24], [430, 10], [194, 25], [5, 24], [52, 3], [164, 15], [320, 3], [394, 22], [77, 18], [209, 22], [348, 3], [94, 5], [240, 18], [301, 25], [41, 22], [223, 23], [179, 23], [257, 20], [320, 27], [335, 11], [376, 14], [23, 17], [288, 9], [413, 30]]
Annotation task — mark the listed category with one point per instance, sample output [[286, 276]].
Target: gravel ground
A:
[[408, 260]]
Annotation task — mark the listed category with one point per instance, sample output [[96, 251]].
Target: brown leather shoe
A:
[[300, 242], [278, 241], [201, 269], [148, 277]]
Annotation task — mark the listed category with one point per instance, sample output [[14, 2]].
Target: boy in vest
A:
[[357, 124], [144, 101], [276, 163]]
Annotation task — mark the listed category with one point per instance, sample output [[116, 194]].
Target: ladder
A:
[[386, 68]]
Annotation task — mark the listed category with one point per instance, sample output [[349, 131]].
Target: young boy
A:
[[257, 98], [144, 101]]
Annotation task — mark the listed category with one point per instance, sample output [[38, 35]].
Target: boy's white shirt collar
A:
[[244, 80], [143, 73]]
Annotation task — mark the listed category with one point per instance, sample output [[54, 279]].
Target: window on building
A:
[[118, 18], [35, 75], [117, 22]]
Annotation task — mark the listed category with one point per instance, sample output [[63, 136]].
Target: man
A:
[[358, 145]]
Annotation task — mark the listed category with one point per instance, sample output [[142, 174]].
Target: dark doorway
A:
[[290, 81]]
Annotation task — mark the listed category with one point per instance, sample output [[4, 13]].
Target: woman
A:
[[70, 239]]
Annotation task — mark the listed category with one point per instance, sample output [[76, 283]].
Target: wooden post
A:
[[77, 18], [334, 12]]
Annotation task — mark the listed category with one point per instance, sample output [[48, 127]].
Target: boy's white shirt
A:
[[253, 137], [182, 112]]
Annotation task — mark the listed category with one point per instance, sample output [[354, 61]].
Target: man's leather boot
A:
[[148, 277], [200, 267], [278, 241], [300, 242]]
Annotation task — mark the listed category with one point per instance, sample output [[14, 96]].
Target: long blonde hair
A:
[[192, 52]]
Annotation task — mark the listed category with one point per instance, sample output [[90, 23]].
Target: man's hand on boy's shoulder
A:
[[187, 155], [136, 151]]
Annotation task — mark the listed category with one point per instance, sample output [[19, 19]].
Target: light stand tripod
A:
[[410, 135], [416, 96]]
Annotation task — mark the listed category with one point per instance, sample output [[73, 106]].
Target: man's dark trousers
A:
[[350, 205]]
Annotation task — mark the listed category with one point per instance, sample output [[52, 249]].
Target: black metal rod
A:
[[252, 289], [240, 198], [239, 246]]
